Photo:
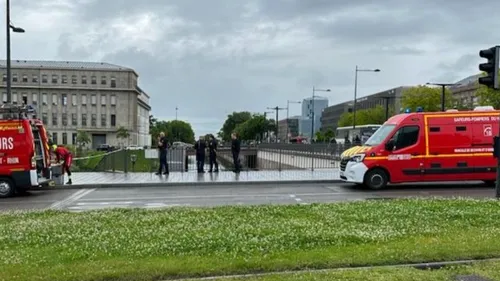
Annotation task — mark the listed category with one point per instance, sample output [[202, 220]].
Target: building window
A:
[[74, 100], [25, 98], [64, 79], [84, 99], [103, 100], [54, 119], [113, 120], [73, 79], [14, 97], [84, 120], [54, 99], [103, 120], [4, 97], [113, 82], [35, 79], [93, 121], [64, 99], [44, 99], [84, 79], [113, 100], [45, 118], [5, 78], [93, 99], [54, 138], [25, 78], [74, 121], [103, 80], [34, 98], [65, 119], [73, 138], [14, 77], [93, 80], [64, 138], [54, 79], [45, 78]]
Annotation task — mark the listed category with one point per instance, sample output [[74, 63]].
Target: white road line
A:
[[111, 199], [71, 199], [293, 196]]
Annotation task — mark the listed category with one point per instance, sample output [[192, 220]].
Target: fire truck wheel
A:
[[7, 188], [376, 179], [489, 183]]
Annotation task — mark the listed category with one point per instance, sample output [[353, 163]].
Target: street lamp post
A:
[[312, 108], [356, 91], [277, 109], [288, 102], [443, 87], [176, 109], [9, 26]]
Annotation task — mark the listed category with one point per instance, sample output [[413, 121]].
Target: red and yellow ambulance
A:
[[24, 150], [426, 147]]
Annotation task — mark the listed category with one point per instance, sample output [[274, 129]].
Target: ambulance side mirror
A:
[[389, 146]]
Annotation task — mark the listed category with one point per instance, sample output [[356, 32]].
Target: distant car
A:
[[134, 147], [105, 147], [181, 145]]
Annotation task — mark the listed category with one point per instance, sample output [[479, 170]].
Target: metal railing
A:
[[262, 157]]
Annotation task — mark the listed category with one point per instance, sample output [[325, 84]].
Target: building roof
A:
[[64, 65], [316, 98], [469, 80]]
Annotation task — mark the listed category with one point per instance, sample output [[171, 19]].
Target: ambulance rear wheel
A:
[[376, 179], [7, 188], [489, 183]]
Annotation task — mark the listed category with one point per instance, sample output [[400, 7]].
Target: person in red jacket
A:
[[64, 155]]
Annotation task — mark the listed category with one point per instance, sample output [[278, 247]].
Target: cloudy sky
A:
[[212, 57]]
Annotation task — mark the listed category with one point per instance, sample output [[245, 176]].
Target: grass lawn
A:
[[488, 270], [141, 244]]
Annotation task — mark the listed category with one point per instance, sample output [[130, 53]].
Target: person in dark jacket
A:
[[212, 154], [200, 146], [162, 147], [235, 150]]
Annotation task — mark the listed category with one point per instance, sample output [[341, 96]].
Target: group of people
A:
[[201, 147]]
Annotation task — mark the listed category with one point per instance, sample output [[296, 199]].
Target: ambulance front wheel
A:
[[7, 188], [376, 179]]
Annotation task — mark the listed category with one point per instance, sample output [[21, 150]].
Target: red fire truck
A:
[[426, 147], [24, 150]]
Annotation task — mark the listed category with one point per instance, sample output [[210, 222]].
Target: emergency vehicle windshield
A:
[[380, 135]]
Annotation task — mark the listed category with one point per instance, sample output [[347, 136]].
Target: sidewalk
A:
[[103, 179]]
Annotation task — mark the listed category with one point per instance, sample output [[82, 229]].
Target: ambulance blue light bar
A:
[[408, 110], [420, 109]]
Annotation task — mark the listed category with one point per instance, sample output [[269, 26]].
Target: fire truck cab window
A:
[[406, 136]]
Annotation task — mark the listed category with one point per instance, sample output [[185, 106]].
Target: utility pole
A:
[[277, 109], [9, 26]]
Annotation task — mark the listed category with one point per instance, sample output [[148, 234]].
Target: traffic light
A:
[[491, 67]]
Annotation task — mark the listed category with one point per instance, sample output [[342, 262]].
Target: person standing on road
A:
[[162, 147], [200, 146], [212, 154], [65, 158], [235, 150]]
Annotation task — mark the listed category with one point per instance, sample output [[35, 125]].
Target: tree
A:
[[426, 97], [122, 134], [175, 130], [319, 137], [329, 135], [253, 128], [374, 115], [488, 96], [232, 121], [82, 138], [152, 121]]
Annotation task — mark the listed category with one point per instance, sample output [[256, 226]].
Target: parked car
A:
[[105, 147], [134, 147]]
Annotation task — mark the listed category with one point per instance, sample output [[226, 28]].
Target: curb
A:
[[187, 184], [421, 266]]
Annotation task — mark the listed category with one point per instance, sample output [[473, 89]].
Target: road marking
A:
[[293, 196], [71, 199]]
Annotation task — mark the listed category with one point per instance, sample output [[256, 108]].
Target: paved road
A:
[[162, 197]]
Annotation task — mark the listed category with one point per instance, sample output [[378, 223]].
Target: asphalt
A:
[[217, 195]]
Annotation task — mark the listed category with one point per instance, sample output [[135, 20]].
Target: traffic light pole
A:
[[491, 81]]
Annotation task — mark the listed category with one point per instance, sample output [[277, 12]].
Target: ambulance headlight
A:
[[358, 158]]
